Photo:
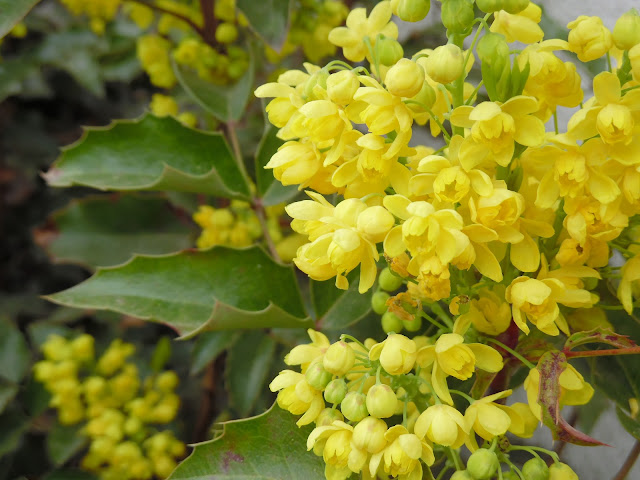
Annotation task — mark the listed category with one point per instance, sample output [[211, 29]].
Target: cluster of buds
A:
[[117, 409]]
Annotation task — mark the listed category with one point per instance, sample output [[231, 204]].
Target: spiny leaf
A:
[[218, 289], [266, 447], [599, 335], [551, 366], [12, 12], [338, 309], [150, 153], [269, 18]]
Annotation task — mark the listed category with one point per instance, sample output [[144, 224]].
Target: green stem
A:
[[432, 115], [609, 62], [453, 455], [511, 351], [442, 315], [432, 320], [552, 454], [344, 335], [513, 467], [463, 395], [555, 121]]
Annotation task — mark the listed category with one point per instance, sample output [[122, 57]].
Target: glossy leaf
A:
[[225, 102], [248, 364], [150, 153], [8, 390], [103, 231], [267, 447], [208, 346], [13, 424], [218, 289], [337, 309], [269, 19], [63, 442], [630, 424], [551, 365], [12, 12], [14, 352]]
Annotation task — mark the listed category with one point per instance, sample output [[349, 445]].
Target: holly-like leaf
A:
[[108, 230], [269, 19], [248, 363], [598, 335], [225, 102], [150, 153], [218, 289], [8, 390], [208, 346], [266, 447], [63, 442], [551, 365], [271, 190], [12, 12], [338, 309], [14, 352]]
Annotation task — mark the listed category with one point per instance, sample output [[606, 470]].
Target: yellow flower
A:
[[588, 218], [405, 78], [297, 396], [573, 389], [450, 356], [401, 458], [489, 419], [397, 354], [352, 37], [489, 313], [443, 425], [589, 38], [519, 27], [527, 427], [495, 128], [305, 354], [333, 443], [630, 274]]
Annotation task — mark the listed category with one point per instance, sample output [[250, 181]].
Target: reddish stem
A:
[[602, 353]]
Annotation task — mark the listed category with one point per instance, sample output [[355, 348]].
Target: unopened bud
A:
[[426, 96], [411, 10], [561, 471], [381, 401], [354, 406], [368, 435], [341, 86], [412, 325], [388, 281], [457, 15], [626, 33], [405, 78], [391, 323], [482, 464], [389, 51], [335, 391], [379, 302], [445, 64], [510, 6], [317, 376], [327, 416], [461, 475], [339, 358], [535, 469]]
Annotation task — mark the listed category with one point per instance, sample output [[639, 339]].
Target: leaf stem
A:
[[603, 353], [511, 351], [629, 462]]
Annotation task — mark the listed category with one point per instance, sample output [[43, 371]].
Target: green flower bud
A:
[[381, 401], [411, 10], [389, 281], [626, 33], [226, 33], [535, 469], [368, 435], [391, 323], [317, 376], [335, 391], [483, 464], [412, 325], [426, 96], [461, 475], [354, 406], [493, 49], [339, 358], [327, 416], [445, 64], [561, 471], [511, 6], [510, 475], [379, 302], [457, 15], [389, 51]]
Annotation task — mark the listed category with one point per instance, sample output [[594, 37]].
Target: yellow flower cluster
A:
[[238, 226], [117, 408], [99, 11], [165, 106]]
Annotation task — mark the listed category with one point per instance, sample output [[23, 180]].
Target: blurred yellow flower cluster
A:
[[117, 409]]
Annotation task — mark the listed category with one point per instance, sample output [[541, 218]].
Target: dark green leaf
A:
[[218, 289], [8, 390], [269, 18], [103, 231], [150, 153], [12, 74], [208, 346], [12, 12], [270, 189], [266, 447], [63, 442], [225, 102], [630, 424], [337, 309], [247, 367], [14, 352], [13, 425], [70, 475]]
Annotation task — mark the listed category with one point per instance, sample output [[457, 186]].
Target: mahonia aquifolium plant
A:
[[118, 410], [507, 220]]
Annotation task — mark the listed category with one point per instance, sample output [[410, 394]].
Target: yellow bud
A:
[[317, 376], [327, 416], [341, 86], [397, 354], [163, 105], [226, 33], [482, 464], [561, 471], [405, 78], [368, 435], [457, 15], [589, 38], [167, 381], [381, 401], [511, 6], [376, 223], [339, 358], [82, 348], [445, 64], [354, 406], [626, 32], [411, 10], [335, 391]]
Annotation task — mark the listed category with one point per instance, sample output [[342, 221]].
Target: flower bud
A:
[[341, 86], [318, 79], [634, 58], [379, 302], [445, 64], [388, 281], [389, 51], [405, 78], [317, 376], [327, 416], [482, 464], [339, 358], [589, 38], [411, 10], [412, 325], [381, 401], [391, 323], [226, 33], [457, 15], [626, 32], [82, 347], [375, 222], [426, 96], [368, 435], [354, 406], [397, 354], [511, 6], [335, 391], [510, 475], [561, 471], [461, 475], [535, 469]]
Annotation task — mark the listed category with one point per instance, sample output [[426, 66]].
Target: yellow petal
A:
[[487, 358]]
